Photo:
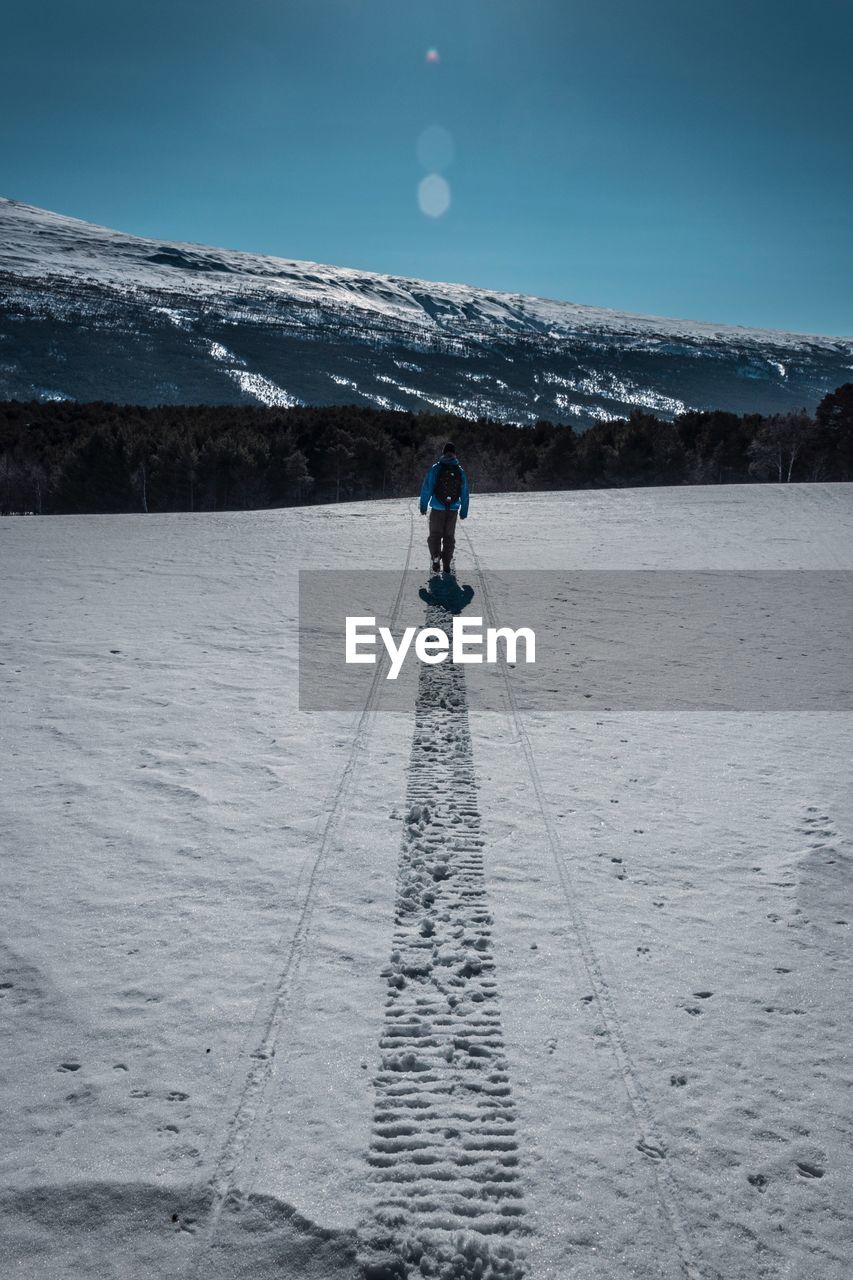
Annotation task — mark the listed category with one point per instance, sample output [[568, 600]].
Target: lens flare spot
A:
[[435, 149], [432, 55], [433, 195]]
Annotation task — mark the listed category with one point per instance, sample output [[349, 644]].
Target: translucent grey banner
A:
[[647, 640]]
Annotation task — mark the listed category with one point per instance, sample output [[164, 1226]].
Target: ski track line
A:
[[668, 1193], [249, 1086], [444, 1150]]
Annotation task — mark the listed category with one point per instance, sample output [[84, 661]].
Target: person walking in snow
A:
[[444, 493]]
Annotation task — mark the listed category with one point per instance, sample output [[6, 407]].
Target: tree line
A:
[[64, 457]]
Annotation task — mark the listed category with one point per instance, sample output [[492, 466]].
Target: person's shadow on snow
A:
[[446, 593]]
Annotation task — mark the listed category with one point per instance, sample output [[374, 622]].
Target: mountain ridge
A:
[[91, 313]]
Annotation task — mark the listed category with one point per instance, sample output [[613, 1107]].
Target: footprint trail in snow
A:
[[447, 1200]]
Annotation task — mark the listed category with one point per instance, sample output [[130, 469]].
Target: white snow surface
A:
[[38, 243], [199, 911]]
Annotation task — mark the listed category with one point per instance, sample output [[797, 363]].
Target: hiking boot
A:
[[436, 565]]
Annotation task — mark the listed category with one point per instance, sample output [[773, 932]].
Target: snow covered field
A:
[[252, 1028]]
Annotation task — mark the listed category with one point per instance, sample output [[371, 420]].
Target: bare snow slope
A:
[[199, 911], [90, 313]]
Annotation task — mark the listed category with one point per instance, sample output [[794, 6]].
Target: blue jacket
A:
[[428, 499]]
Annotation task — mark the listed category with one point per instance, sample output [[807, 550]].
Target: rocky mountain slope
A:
[[92, 314]]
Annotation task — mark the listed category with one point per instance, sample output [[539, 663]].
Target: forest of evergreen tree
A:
[[61, 457]]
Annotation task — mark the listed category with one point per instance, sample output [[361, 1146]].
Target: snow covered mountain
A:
[[92, 314]]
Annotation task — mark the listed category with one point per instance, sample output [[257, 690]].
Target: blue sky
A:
[[658, 156]]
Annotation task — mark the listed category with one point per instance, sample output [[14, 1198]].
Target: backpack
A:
[[448, 483]]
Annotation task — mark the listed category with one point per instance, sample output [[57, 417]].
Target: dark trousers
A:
[[442, 535]]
